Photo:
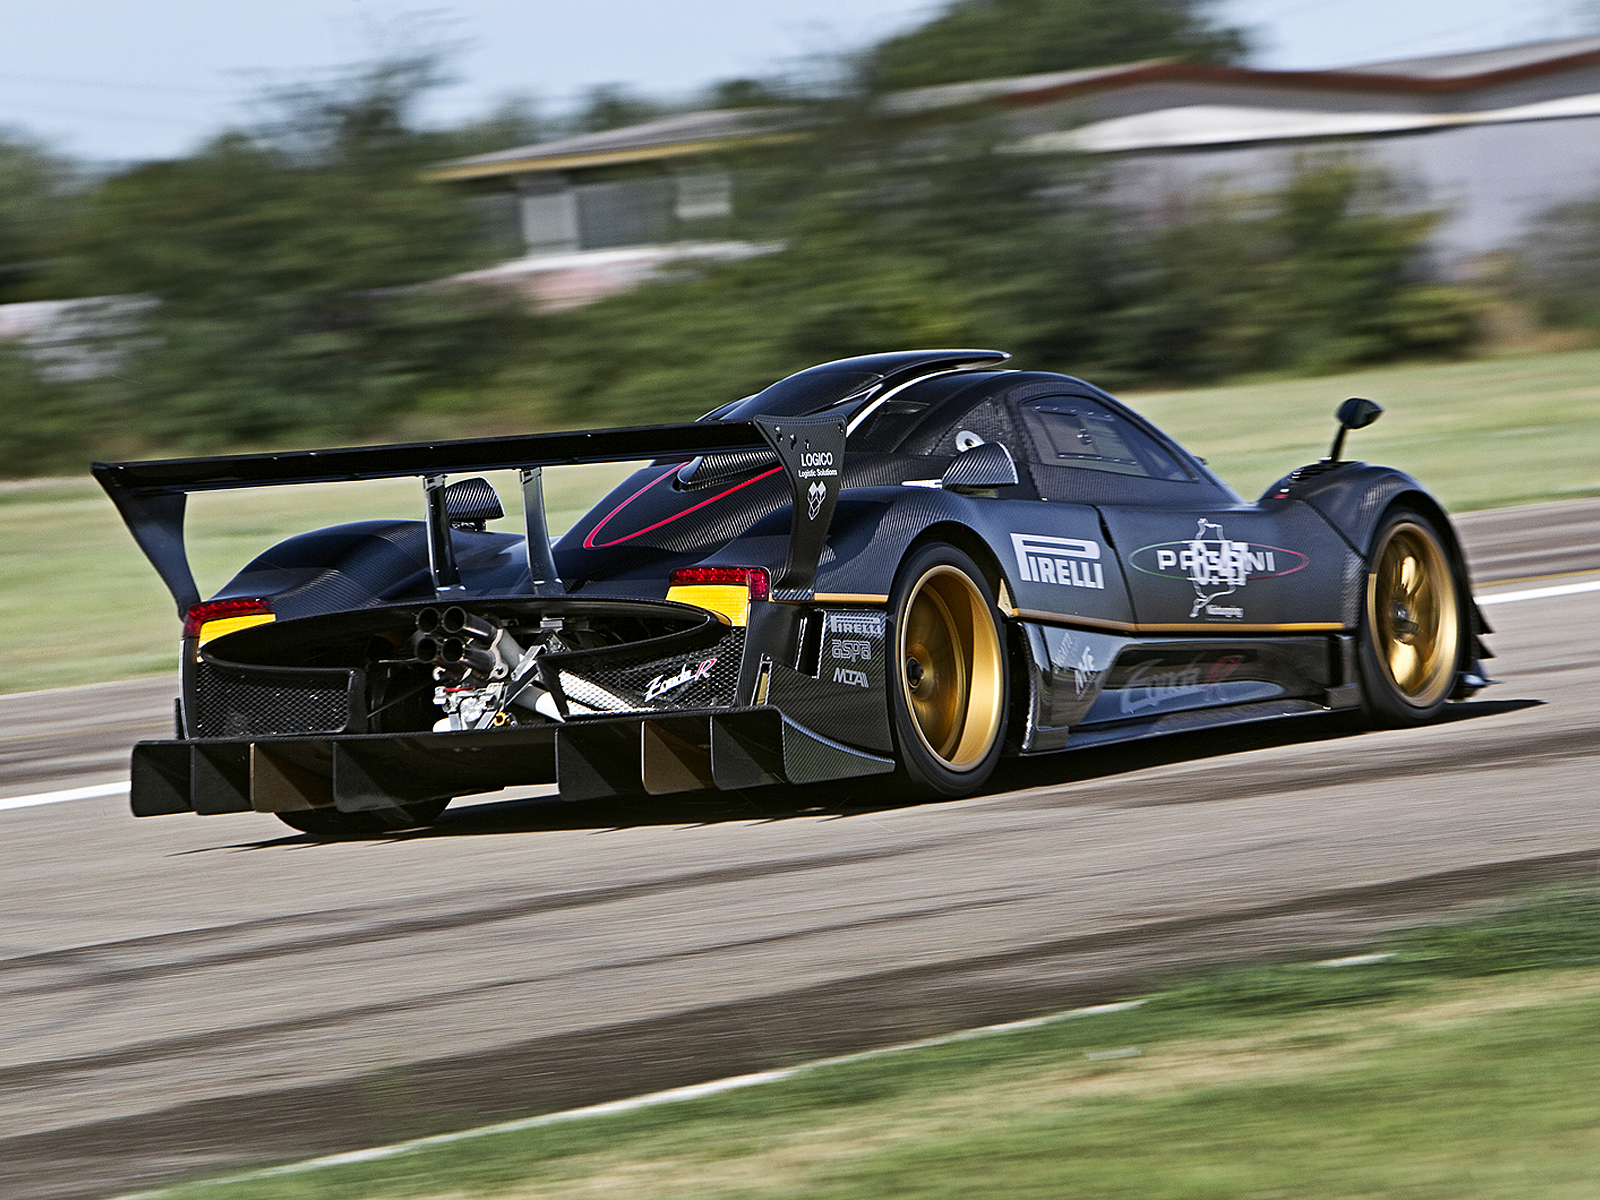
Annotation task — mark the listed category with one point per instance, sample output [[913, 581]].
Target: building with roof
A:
[[1492, 140], [602, 211]]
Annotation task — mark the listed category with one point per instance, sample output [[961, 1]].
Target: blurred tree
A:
[[612, 106], [892, 235], [895, 237], [991, 39], [515, 121], [1320, 274], [37, 189], [295, 265], [1560, 265], [745, 93]]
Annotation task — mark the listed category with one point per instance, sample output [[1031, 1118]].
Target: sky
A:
[[116, 82]]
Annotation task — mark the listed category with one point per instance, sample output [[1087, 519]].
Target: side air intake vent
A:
[[1312, 470]]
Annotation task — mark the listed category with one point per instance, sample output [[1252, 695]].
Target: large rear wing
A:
[[152, 496]]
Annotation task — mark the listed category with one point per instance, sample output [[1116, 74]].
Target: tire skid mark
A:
[[616, 1061], [32, 1074], [365, 935]]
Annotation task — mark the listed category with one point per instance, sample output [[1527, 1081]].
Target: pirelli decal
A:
[[1066, 562]]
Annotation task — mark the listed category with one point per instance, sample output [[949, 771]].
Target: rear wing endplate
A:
[[152, 496]]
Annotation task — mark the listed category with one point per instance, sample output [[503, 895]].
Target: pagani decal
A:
[[1068, 562], [1216, 566]]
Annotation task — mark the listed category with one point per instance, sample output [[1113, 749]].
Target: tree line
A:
[[286, 283]]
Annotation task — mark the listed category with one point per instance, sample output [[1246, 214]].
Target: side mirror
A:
[[980, 470], [1355, 413], [468, 503]]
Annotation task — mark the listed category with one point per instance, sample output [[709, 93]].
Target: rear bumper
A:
[[642, 754]]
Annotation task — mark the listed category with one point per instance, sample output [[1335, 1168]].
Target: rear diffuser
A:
[[640, 755]]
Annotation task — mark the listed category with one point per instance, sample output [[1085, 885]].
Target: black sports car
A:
[[909, 563]]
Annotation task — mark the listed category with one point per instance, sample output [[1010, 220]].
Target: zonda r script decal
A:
[[663, 685], [1216, 566]]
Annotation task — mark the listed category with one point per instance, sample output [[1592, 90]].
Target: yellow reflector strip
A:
[[732, 600], [222, 625]]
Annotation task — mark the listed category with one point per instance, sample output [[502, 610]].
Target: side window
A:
[[1075, 431]]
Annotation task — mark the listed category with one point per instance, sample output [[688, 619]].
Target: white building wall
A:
[[1491, 182]]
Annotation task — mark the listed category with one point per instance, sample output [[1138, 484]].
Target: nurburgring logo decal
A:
[[1216, 566]]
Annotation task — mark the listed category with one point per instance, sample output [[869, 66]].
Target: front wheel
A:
[[947, 678], [1412, 626], [331, 823]]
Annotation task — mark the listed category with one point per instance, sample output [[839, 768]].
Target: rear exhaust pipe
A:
[[457, 620], [455, 653]]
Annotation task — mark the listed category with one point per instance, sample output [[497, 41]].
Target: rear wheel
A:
[[947, 678], [1412, 627], [331, 823]]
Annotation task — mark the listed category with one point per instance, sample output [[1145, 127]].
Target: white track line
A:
[[92, 792], [611, 1108], [1560, 589]]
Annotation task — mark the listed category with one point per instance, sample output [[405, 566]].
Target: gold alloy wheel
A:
[[951, 668], [1413, 614]]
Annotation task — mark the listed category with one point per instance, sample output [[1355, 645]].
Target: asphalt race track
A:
[[190, 994]]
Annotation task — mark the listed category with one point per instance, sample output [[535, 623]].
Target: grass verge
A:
[[1478, 434], [1464, 1065], [78, 603]]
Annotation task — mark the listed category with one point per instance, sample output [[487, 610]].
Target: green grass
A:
[[1465, 1066], [1478, 434], [78, 604]]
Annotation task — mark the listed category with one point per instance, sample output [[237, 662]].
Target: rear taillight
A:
[[213, 618], [727, 590]]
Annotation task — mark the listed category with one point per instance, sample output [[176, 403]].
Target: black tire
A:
[[947, 674], [331, 823], [1413, 622]]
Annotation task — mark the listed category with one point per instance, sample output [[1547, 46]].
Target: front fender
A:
[[1352, 497]]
